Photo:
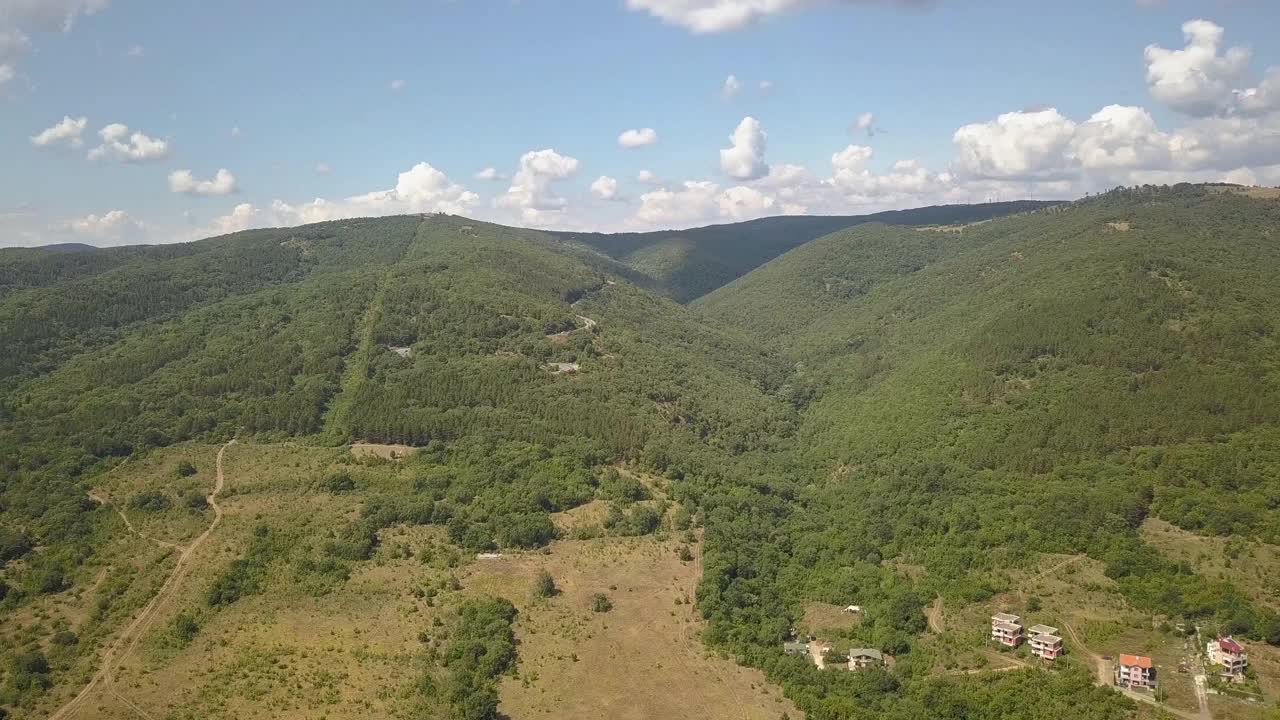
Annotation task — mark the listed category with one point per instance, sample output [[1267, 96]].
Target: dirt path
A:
[[933, 614], [587, 322], [1057, 567], [1104, 679], [127, 641], [101, 500]]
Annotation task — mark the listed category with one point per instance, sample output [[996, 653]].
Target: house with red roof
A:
[[1135, 672], [1229, 655]]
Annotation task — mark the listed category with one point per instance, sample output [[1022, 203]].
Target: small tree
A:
[[1033, 603], [185, 469], [600, 603], [685, 554], [544, 586]]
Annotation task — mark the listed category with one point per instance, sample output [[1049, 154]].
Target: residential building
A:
[[861, 658], [1006, 629], [1135, 671], [1045, 643], [1229, 655]]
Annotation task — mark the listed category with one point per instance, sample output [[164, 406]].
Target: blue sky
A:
[[299, 101]]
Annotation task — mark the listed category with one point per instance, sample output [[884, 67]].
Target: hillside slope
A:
[[688, 264]]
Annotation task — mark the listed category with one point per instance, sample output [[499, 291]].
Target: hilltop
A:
[[687, 264]]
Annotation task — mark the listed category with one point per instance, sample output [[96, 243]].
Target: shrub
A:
[[64, 638], [338, 483], [544, 586], [150, 501], [185, 469], [685, 554], [601, 603]]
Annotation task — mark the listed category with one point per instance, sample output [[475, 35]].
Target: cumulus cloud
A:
[[489, 174], [694, 201], [605, 188], [744, 203], [1199, 79], [118, 143], [419, 189], [1015, 145], [113, 225], [865, 123], [67, 132], [731, 88], [648, 177], [711, 16], [222, 183], [744, 160], [638, 138], [530, 190]]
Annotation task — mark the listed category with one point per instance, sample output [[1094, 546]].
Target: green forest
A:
[[959, 389]]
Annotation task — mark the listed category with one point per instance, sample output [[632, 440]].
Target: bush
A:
[[1033, 604], [196, 501], [685, 554], [544, 586], [601, 603], [13, 545], [338, 483], [185, 627], [64, 638], [150, 501], [185, 469]]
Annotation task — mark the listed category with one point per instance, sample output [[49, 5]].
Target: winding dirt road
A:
[[127, 641]]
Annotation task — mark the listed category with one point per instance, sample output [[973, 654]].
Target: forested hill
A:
[[688, 264]]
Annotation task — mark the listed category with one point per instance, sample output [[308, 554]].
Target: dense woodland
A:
[[960, 401]]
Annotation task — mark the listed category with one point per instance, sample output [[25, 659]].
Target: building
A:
[[1006, 629], [795, 647], [1135, 671], [862, 658], [1045, 643], [1227, 653]]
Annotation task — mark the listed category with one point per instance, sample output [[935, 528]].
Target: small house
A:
[[862, 658], [1229, 655], [1006, 629], [1045, 642], [1135, 672]]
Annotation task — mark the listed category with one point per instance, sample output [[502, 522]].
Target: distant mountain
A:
[[67, 247], [688, 264]]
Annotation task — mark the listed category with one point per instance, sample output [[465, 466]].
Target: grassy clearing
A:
[[642, 659], [1253, 566]]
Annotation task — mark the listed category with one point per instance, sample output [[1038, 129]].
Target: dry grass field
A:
[[300, 650], [1255, 567], [642, 659]]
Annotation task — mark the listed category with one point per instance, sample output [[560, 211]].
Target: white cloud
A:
[[648, 177], [766, 86], [638, 138], [113, 225], [419, 189], [1015, 145], [1264, 98], [1197, 80], [865, 123], [694, 201], [235, 131], [119, 144], [1120, 137], [711, 16], [530, 189], [605, 188], [7, 73], [136, 51], [490, 174], [745, 159], [397, 85], [732, 86], [322, 168], [182, 181], [744, 203], [66, 132]]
